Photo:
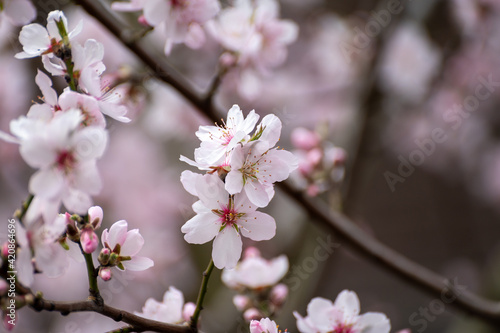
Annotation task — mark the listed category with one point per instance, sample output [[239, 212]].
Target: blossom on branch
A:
[[171, 310], [265, 325]]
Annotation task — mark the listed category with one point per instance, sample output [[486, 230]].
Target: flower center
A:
[[65, 160], [228, 216], [343, 328]]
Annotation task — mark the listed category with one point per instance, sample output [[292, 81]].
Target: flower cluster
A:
[[256, 280], [321, 164], [242, 169], [181, 20]]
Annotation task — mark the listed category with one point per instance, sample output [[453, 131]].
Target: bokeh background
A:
[[378, 93]]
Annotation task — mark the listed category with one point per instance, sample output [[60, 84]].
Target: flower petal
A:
[[201, 228], [227, 248], [133, 244], [117, 233], [257, 226], [47, 183], [138, 263]]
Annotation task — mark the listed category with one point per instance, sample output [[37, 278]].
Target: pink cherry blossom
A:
[[265, 325], [18, 12], [105, 273], [88, 240], [302, 138], [181, 20], [37, 40], [125, 244], [223, 217], [343, 316], [256, 272], [95, 214], [171, 310]]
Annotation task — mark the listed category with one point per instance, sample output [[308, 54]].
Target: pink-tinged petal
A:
[[257, 226], [20, 12], [41, 112], [38, 153], [195, 37], [105, 237], [95, 216], [77, 201], [174, 301], [234, 182], [87, 178], [9, 138], [201, 228], [35, 39], [132, 6], [138, 263], [227, 248], [76, 31], [89, 143], [257, 193], [193, 163], [242, 204], [24, 267], [234, 117], [272, 129], [54, 66], [88, 240], [373, 322], [348, 302], [322, 313], [21, 236], [48, 209], [211, 191], [48, 184], [288, 158], [115, 111], [303, 325], [117, 233], [90, 81], [133, 244], [237, 138], [45, 85], [156, 11], [189, 180], [200, 208], [250, 121]]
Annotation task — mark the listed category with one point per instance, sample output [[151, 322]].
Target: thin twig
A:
[[201, 296], [335, 222]]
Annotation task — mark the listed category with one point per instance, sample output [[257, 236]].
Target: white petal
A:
[[302, 324], [51, 259], [257, 226], [87, 178], [45, 85], [77, 201], [211, 191], [322, 313], [249, 123], [138, 263], [117, 233], [227, 248], [189, 180], [156, 11], [195, 37], [48, 183], [272, 129], [133, 244], [38, 153], [373, 322], [257, 193], [115, 111], [89, 143], [348, 302], [174, 301], [201, 228], [24, 267], [54, 66], [20, 12], [34, 39]]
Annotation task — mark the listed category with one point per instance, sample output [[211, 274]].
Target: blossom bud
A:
[[8, 323], [227, 59], [89, 240], [105, 273], [251, 252], [4, 286], [304, 139], [313, 190], [5, 250], [188, 311], [279, 294], [72, 232], [113, 259], [314, 156], [142, 21], [103, 257], [95, 216], [252, 314], [241, 302]]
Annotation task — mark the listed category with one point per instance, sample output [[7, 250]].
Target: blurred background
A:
[[402, 98]]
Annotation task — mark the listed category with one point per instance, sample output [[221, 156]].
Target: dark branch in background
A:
[[365, 244]]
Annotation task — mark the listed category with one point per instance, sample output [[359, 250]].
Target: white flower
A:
[[255, 272], [40, 240], [265, 325], [323, 316], [171, 310], [224, 217], [18, 12], [37, 40], [181, 19], [125, 245]]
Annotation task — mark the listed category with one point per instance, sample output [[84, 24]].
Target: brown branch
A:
[[139, 324], [334, 222]]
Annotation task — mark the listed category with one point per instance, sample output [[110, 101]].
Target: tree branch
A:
[[374, 250]]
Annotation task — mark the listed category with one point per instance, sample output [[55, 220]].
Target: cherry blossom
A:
[[37, 40], [38, 246], [18, 12], [343, 316], [265, 325], [124, 245], [223, 217], [171, 310], [181, 20], [255, 272]]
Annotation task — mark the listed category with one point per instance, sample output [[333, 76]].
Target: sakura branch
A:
[[396, 263]]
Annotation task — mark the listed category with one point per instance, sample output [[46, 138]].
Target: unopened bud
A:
[[95, 216], [188, 311], [89, 240], [279, 294], [251, 252], [105, 273], [252, 314], [103, 257], [4, 286], [5, 250], [305, 139], [142, 21], [113, 259], [241, 302], [8, 322]]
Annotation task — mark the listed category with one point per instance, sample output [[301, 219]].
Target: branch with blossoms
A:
[[239, 164]]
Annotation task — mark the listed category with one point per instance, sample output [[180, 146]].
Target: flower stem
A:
[[201, 296], [19, 214], [91, 272]]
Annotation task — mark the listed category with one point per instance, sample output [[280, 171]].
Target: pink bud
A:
[[95, 216], [188, 311], [305, 139], [89, 240], [227, 59], [105, 273], [251, 252], [305, 167], [142, 21], [279, 294], [241, 302], [9, 323], [336, 155], [5, 250], [4, 286], [314, 156], [252, 314], [405, 331], [313, 190]]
